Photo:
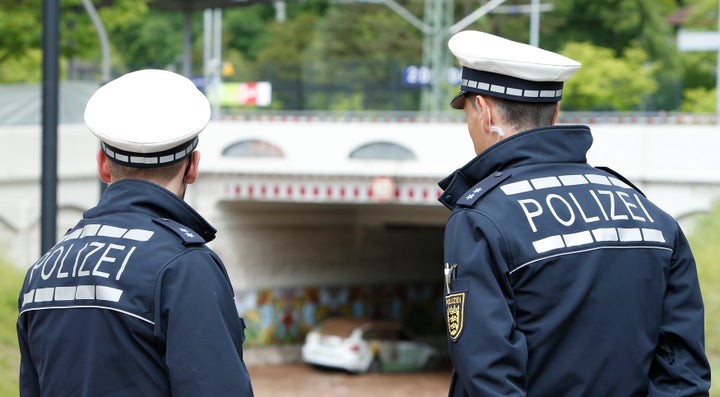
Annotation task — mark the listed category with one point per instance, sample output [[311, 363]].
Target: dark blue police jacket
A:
[[564, 280], [132, 303]]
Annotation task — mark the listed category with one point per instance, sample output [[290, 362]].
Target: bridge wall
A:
[[293, 256]]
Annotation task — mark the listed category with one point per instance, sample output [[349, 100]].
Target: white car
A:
[[362, 345]]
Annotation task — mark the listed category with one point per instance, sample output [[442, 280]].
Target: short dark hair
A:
[[159, 175], [524, 115]]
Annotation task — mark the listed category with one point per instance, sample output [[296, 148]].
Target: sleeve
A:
[[489, 354], [29, 384], [198, 320], [680, 366]]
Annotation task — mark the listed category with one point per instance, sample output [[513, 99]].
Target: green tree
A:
[[245, 29], [21, 32], [699, 100], [606, 82], [615, 24], [700, 68], [149, 42], [620, 25]]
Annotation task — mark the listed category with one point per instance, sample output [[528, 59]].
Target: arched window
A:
[[253, 148], [381, 150]]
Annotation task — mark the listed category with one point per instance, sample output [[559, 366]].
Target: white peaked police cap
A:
[[148, 118], [503, 68]]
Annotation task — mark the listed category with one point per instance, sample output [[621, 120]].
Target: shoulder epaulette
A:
[[619, 176], [476, 192], [187, 235]]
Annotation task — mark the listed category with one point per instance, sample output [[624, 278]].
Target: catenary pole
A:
[[50, 51]]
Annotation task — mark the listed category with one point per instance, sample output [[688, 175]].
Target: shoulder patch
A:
[[621, 177], [455, 314], [476, 192], [187, 235]]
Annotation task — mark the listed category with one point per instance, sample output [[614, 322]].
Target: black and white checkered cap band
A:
[[150, 160], [512, 88]]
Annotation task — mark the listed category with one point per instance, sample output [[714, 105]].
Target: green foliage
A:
[[18, 30], [10, 282], [606, 82], [703, 14], [149, 42], [21, 33], [289, 40], [364, 32], [346, 103], [319, 34], [615, 24], [699, 100], [245, 29], [704, 242], [699, 69], [23, 69]]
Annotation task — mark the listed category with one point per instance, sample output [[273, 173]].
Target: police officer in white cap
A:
[[561, 279], [131, 302]]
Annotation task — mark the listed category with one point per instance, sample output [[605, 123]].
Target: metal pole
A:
[[535, 23], [474, 16], [102, 36], [207, 50], [217, 58], [187, 44], [50, 71]]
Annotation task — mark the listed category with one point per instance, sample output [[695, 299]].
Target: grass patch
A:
[[11, 280], [704, 243]]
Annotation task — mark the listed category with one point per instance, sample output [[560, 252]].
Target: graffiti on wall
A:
[[285, 315]]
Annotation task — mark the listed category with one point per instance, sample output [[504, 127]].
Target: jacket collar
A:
[[554, 144], [135, 195]]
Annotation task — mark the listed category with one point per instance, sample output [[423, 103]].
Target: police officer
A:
[[131, 302], [561, 279]]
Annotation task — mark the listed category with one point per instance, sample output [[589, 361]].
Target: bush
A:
[[703, 241], [11, 280]]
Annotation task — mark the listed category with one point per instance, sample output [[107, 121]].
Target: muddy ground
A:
[[300, 380]]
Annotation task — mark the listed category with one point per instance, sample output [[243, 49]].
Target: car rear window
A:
[[339, 327]]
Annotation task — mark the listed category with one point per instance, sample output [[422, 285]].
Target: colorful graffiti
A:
[[285, 315]]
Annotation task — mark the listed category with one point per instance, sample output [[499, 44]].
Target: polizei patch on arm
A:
[[455, 314]]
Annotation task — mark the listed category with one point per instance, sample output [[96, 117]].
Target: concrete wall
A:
[[294, 262], [675, 165]]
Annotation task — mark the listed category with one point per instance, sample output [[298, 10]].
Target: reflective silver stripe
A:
[[150, 158], [88, 307], [512, 91], [79, 292]]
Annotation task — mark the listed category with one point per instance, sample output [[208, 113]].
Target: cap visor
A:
[[459, 101]]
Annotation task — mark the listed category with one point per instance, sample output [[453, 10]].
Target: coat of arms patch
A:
[[455, 313]]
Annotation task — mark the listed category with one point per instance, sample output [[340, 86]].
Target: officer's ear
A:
[[103, 166], [557, 112], [193, 170]]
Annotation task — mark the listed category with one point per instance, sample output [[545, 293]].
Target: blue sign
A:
[[421, 76], [416, 76]]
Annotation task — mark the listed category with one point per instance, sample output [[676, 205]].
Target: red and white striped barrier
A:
[[380, 190], [565, 118]]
